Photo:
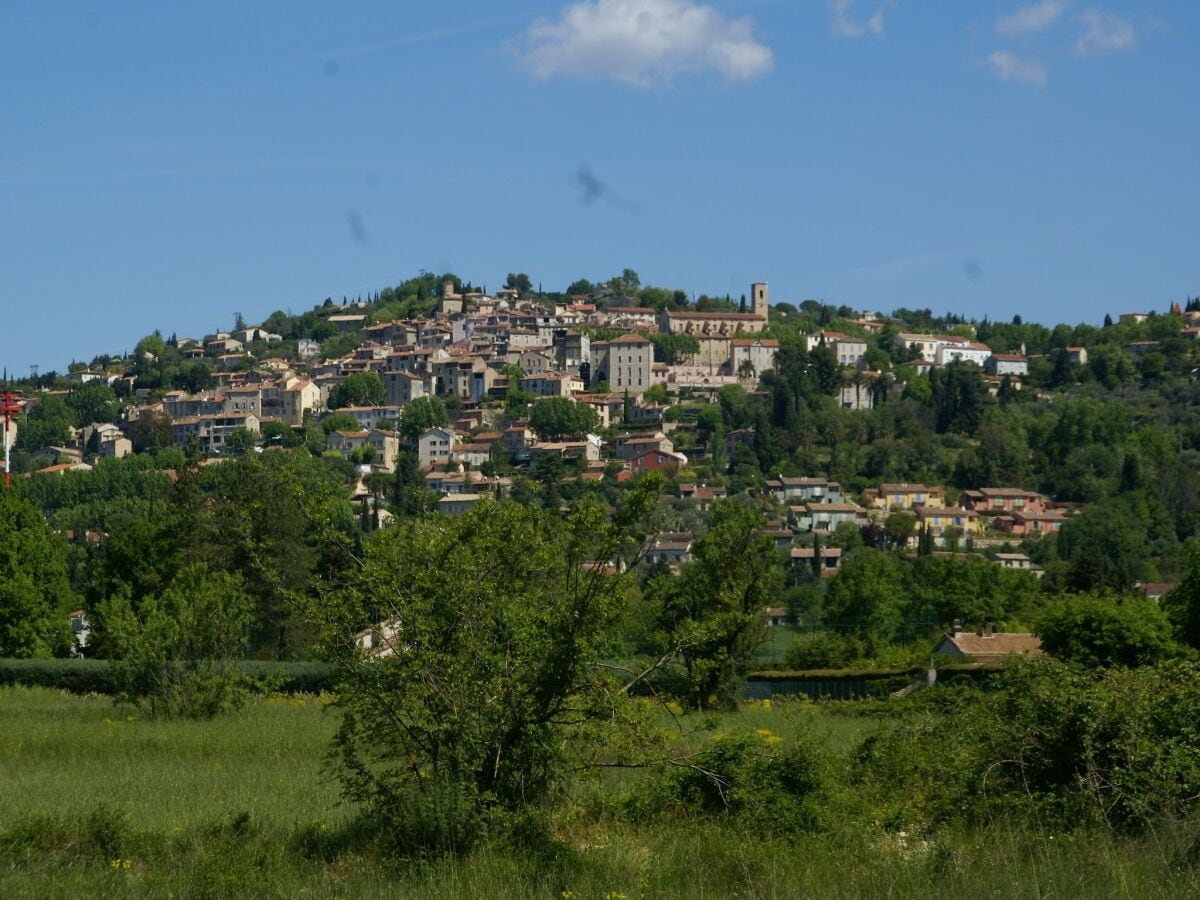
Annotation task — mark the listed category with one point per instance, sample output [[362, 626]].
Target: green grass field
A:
[[98, 802]]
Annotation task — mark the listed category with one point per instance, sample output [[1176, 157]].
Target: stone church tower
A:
[[758, 291]]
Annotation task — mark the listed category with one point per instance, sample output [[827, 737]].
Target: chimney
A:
[[987, 629], [956, 628]]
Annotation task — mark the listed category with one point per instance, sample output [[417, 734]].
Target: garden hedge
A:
[[83, 676]]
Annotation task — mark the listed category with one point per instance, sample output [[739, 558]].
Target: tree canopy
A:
[[486, 632], [357, 389], [35, 593], [557, 417], [421, 414]]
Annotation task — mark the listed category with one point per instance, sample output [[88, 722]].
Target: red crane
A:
[[8, 406]]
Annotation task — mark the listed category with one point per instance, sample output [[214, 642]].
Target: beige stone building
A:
[[720, 323], [625, 362]]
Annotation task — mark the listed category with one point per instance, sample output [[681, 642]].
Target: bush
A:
[[747, 777], [490, 628], [1053, 743], [1106, 629], [178, 655], [79, 676], [825, 650]]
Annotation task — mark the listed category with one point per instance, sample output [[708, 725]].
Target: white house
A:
[[964, 352], [1007, 364], [848, 349], [927, 345]]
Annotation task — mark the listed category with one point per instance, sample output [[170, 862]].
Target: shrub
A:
[[179, 654], [79, 676], [490, 628], [747, 777], [1106, 629], [97, 676], [1054, 742], [825, 650]]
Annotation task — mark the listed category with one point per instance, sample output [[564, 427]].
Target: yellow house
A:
[[936, 519], [891, 497]]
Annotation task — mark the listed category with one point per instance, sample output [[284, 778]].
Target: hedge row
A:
[[854, 684], [957, 670], [83, 676]]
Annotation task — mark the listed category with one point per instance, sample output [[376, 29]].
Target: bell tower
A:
[[758, 291]]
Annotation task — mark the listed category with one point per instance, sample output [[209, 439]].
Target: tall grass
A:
[[60, 752], [97, 804]]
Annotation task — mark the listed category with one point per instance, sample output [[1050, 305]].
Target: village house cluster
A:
[[475, 350], [471, 349]]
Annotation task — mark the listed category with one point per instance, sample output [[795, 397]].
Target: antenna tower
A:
[[8, 406]]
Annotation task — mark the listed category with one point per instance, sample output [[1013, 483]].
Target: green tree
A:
[[178, 654], [959, 396], [152, 344], [716, 449], [555, 417], [657, 393], [47, 424], [868, 595], [713, 613], [1106, 629], [152, 431], [93, 402], [338, 422], [409, 495], [280, 520], [357, 389], [518, 281], [900, 526], [1106, 544], [35, 593], [275, 433], [484, 676], [1182, 604], [672, 348], [422, 414], [240, 440], [847, 536]]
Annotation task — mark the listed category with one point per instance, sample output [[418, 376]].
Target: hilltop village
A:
[[849, 431]]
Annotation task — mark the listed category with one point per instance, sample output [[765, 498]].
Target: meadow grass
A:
[[63, 752], [97, 804]]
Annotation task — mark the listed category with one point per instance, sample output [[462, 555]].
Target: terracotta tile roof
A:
[[1000, 644]]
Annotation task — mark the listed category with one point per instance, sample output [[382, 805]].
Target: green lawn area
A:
[[771, 653], [99, 802]]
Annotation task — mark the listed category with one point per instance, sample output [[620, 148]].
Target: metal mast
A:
[[8, 405]]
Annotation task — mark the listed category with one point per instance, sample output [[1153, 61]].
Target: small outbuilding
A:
[[987, 645]]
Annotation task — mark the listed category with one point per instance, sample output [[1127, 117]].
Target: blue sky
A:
[[167, 165]]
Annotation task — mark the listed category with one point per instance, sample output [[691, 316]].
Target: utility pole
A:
[[8, 406]]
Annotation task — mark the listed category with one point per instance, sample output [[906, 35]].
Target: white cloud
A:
[[1104, 33], [1010, 67], [644, 43], [1032, 18], [843, 25]]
